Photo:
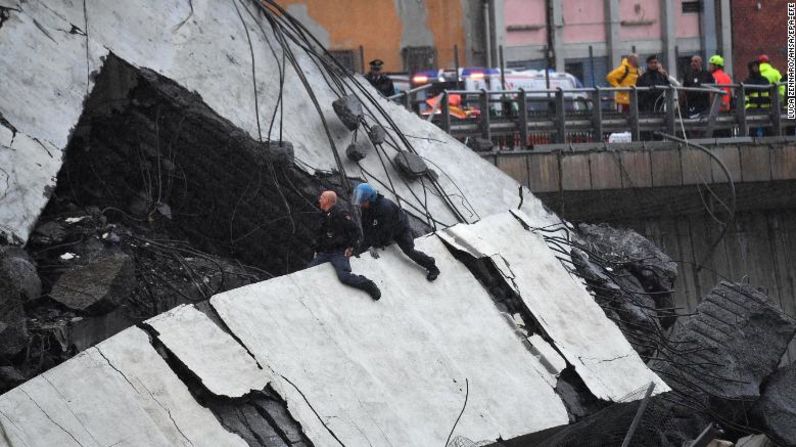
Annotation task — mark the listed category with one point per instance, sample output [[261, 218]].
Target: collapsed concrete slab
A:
[[727, 348], [776, 408], [120, 391], [220, 362], [98, 287], [559, 303], [396, 371]]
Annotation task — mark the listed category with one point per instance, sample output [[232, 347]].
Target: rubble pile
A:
[[159, 202], [630, 278]]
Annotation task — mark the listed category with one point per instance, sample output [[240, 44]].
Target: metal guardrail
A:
[[562, 121]]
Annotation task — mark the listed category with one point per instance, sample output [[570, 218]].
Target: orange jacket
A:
[[720, 77]]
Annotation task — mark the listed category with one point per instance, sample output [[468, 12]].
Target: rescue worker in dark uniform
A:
[[380, 81], [338, 234], [384, 222], [697, 103]]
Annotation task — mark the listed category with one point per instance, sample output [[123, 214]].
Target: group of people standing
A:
[[693, 103]]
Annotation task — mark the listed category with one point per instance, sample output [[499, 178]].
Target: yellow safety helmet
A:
[[716, 60]]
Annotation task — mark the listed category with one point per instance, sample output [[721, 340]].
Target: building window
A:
[[419, 58], [346, 58], [692, 6]]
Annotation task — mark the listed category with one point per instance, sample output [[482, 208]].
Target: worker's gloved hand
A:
[[374, 252], [348, 252]]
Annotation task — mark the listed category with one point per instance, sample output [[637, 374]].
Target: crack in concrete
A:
[[50, 418], [44, 376], [155, 399], [43, 30]]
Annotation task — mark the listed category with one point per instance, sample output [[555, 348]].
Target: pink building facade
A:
[[591, 36]]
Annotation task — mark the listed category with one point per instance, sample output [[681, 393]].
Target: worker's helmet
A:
[[364, 192], [762, 58], [716, 60]]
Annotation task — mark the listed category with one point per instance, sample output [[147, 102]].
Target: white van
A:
[[529, 80]]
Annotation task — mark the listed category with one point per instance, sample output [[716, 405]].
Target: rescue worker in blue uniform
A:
[[338, 234], [384, 222], [380, 81]]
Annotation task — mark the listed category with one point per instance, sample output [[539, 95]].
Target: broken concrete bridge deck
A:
[[350, 370]]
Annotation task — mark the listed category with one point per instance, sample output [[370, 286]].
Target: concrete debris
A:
[[663, 424], [755, 441], [49, 233], [96, 288], [576, 396], [120, 391], [629, 252], [411, 165], [18, 275], [19, 284], [377, 134], [724, 352], [357, 150], [281, 152], [775, 411], [220, 362], [349, 110], [479, 144], [611, 368]]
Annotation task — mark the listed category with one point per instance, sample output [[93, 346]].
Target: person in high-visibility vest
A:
[[716, 68], [772, 74], [756, 99], [625, 75]]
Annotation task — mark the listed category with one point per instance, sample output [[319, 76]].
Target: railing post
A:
[[635, 131], [776, 110], [523, 117], [408, 100], [740, 112], [597, 113], [483, 99], [671, 105], [446, 112], [561, 119]]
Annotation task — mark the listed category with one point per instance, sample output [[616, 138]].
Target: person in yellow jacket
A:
[[625, 75], [772, 74]]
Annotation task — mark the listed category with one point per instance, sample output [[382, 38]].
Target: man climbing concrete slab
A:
[[337, 236], [383, 222]]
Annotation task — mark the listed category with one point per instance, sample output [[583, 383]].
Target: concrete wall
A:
[[384, 27]]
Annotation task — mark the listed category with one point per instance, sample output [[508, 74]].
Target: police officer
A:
[[337, 237], [384, 222], [377, 79]]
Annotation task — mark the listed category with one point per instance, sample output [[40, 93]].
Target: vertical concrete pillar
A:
[[558, 35], [669, 36], [499, 19], [708, 26], [613, 45], [726, 36]]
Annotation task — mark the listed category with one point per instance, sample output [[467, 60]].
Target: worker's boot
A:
[[433, 273], [373, 290]]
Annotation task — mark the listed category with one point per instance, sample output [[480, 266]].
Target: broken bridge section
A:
[[119, 392], [396, 371], [560, 304]]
